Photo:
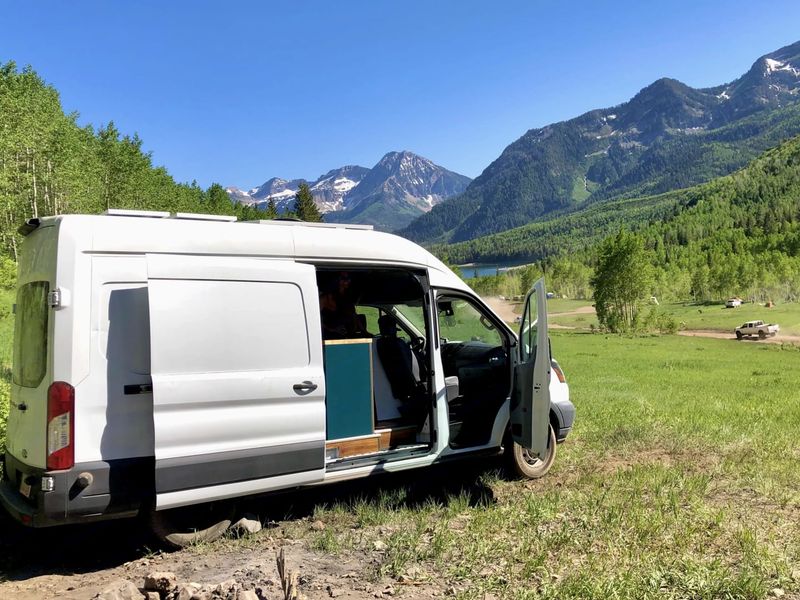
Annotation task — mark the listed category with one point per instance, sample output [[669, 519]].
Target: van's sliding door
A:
[[238, 383]]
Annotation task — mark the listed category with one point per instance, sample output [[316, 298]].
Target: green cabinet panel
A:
[[348, 388]]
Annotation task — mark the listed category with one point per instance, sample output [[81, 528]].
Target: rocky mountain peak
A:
[[401, 186]]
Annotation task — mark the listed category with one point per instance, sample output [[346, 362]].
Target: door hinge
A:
[[54, 298]]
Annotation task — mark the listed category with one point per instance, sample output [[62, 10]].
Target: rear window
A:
[[30, 334]]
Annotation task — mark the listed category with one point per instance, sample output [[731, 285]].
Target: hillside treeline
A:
[[51, 165], [736, 235]]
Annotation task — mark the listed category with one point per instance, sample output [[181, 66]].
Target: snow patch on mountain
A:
[[776, 65]]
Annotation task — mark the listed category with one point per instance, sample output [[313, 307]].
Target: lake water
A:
[[482, 270]]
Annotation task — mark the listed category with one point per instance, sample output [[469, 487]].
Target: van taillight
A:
[[559, 373], [60, 426]]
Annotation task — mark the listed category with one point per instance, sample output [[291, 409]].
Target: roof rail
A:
[[124, 212], [201, 217], [288, 223]]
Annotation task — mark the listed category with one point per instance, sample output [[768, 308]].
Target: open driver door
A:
[[530, 401]]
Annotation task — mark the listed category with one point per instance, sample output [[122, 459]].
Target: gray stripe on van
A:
[[184, 473]]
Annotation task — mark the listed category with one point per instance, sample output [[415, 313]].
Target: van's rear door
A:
[[238, 382], [34, 329], [530, 403]]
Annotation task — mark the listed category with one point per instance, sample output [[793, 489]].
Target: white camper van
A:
[[162, 361]]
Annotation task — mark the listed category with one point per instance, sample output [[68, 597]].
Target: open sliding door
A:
[[530, 406], [238, 382]]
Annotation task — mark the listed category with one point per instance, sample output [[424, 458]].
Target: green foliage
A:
[[49, 165], [6, 343], [304, 206], [272, 209], [554, 169], [736, 235], [659, 320], [621, 282], [8, 273]]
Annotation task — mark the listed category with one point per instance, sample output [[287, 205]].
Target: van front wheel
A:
[[178, 528], [524, 464]]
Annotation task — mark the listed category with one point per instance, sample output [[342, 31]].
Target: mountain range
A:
[[399, 188], [668, 136]]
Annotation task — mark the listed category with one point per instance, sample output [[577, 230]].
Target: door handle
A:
[[306, 386]]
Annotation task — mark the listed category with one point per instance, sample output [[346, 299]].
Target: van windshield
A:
[[30, 334]]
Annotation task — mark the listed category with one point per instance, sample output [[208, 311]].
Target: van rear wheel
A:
[[178, 528], [523, 464]]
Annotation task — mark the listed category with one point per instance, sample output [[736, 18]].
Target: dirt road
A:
[[722, 335], [505, 309]]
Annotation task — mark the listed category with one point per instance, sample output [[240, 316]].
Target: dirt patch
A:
[[77, 562], [505, 310]]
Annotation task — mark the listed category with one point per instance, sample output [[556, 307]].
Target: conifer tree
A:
[[272, 209], [304, 206], [218, 202]]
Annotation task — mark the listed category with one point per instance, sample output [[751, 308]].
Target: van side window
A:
[[30, 334]]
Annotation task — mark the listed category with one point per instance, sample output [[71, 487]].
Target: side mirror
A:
[[446, 308]]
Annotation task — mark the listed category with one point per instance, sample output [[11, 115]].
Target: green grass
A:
[[679, 481], [717, 317], [714, 317], [579, 191]]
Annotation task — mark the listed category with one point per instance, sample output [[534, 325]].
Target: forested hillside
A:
[[668, 136], [738, 234], [50, 165]]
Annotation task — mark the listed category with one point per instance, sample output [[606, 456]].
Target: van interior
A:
[[378, 365]]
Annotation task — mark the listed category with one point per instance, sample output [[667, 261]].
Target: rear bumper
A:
[[116, 489], [15, 505]]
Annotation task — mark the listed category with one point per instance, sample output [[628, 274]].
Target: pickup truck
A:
[[759, 328]]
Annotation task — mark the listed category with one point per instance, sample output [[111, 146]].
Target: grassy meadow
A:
[[713, 317], [680, 480]]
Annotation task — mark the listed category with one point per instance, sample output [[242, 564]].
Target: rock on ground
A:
[[121, 589], [162, 582], [246, 526]]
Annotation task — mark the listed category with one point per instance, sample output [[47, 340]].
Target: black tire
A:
[[738, 335], [522, 464], [178, 528], [762, 335]]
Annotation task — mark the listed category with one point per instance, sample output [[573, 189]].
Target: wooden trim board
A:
[[390, 438], [366, 444]]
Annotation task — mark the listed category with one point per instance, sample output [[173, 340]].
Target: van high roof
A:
[[150, 232]]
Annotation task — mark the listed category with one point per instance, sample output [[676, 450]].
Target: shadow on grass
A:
[[90, 547]]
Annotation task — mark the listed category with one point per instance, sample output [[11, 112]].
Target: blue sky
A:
[[237, 92]]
